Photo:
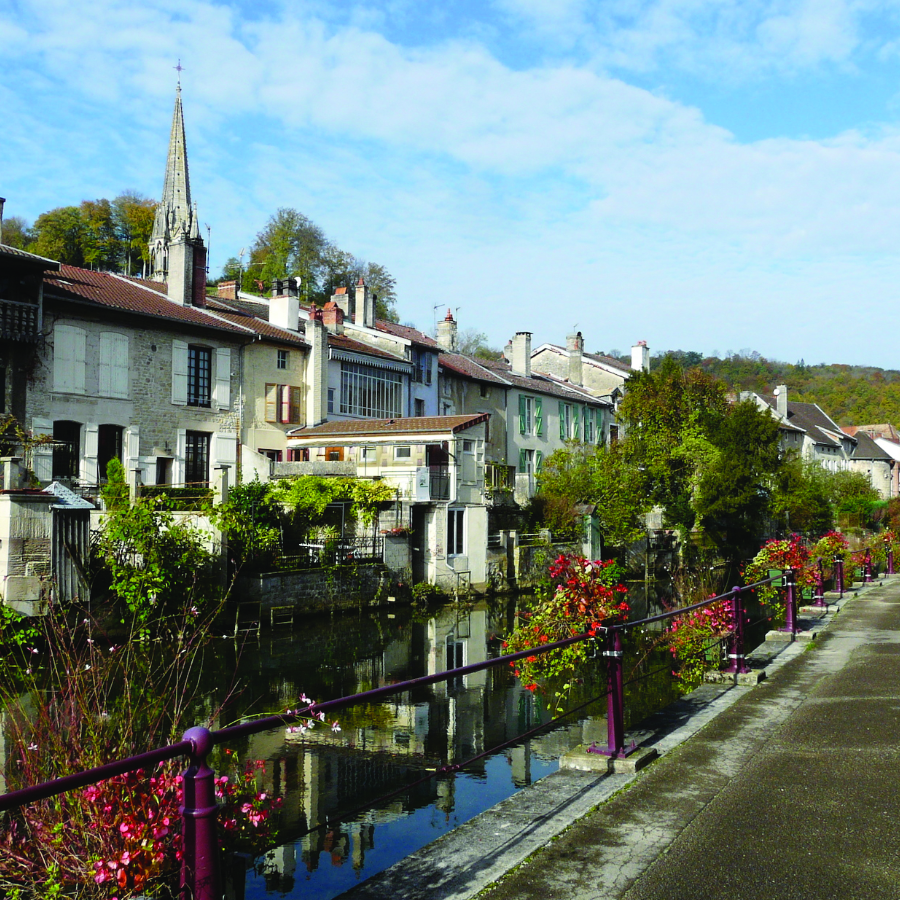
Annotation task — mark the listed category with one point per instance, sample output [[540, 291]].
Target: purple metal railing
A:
[[200, 875]]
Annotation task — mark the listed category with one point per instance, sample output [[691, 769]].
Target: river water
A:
[[325, 777]]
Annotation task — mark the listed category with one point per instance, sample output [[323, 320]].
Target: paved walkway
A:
[[789, 789]]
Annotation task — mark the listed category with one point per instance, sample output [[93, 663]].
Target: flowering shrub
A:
[[692, 637], [583, 596], [780, 554]]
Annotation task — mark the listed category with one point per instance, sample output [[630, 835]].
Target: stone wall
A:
[[316, 590]]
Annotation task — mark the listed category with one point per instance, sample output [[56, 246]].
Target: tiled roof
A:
[[342, 342], [386, 427], [866, 448], [406, 332], [260, 326], [541, 384], [470, 368], [16, 253], [624, 368], [118, 292]]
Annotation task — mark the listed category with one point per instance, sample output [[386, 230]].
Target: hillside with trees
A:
[[851, 395]]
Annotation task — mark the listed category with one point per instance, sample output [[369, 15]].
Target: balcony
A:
[[18, 321]]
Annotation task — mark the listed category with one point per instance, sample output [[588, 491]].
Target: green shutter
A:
[[562, 421], [538, 416], [576, 423], [598, 426], [521, 460], [538, 460], [521, 414]]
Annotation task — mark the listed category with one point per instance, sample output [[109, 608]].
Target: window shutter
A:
[[538, 460], [271, 402], [119, 368], [179, 374], [522, 463], [598, 427], [225, 449], [538, 416], [132, 451], [562, 421], [284, 402], [180, 451], [576, 423], [88, 466], [521, 414], [106, 352], [296, 405], [223, 378], [69, 354], [42, 454]]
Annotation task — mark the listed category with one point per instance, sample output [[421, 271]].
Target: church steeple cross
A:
[[179, 68]]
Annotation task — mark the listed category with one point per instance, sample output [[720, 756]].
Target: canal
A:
[[335, 828]]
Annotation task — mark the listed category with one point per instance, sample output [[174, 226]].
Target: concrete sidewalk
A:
[[789, 789]]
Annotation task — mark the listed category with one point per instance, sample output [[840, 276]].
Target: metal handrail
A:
[[199, 877]]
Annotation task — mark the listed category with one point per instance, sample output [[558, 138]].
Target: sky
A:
[[711, 175]]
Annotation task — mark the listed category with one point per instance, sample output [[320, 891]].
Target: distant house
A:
[[877, 458], [437, 466]]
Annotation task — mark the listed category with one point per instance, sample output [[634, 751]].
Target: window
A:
[[274, 455], [613, 433], [370, 393], [468, 446], [196, 457], [455, 532], [526, 462], [445, 409], [483, 389], [66, 449], [331, 400], [588, 425], [113, 365], [282, 360], [368, 454], [199, 376], [283, 404], [402, 452], [419, 407], [422, 369], [568, 422], [69, 354], [531, 415], [109, 447]]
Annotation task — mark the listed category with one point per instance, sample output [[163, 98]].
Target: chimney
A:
[[198, 294], [640, 357], [227, 290], [521, 353], [333, 317], [341, 297], [575, 346], [507, 351], [781, 400], [181, 270], [447, 333], [364, 312], [284, 311], [2, 201], [317, 369]]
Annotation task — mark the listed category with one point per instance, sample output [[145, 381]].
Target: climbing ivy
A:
[[308, 496]]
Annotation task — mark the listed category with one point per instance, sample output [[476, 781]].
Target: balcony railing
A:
[[439, 482], [18, 321], [346, 552]]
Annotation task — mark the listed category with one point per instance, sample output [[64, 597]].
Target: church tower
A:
[[176, 218]]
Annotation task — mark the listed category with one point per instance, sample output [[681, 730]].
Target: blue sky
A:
[[713, 176]]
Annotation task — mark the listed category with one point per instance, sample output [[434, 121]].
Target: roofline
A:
[[298, 434]]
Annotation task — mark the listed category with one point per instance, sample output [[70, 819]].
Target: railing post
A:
[[838, 564], [790, 601], [200, 863], [615, 699], [867, 567], [820, 583], [736, 644]]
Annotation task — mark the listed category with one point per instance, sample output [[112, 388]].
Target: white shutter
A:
[[119, 366], [225, 451], [69, 354], [132, 451], [178, 461], [89, 460], [106, 352], [179, 374], [42, 454], [223, 378]]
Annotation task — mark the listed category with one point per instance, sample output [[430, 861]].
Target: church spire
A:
[[174, 213]]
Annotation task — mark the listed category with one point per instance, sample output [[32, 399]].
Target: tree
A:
[[598, 475], [100, 245], [16, 233], [660, 410], [59, 234], [133, 216], [801, 497], [473, 342], [384, 286]]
